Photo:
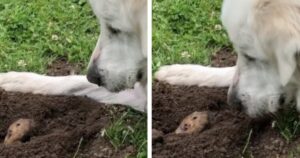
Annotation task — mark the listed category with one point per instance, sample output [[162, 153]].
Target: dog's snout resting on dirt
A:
[[119, 58], [117, 72], [266, 36]]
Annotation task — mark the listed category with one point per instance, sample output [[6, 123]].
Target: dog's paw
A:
[[176, 74], [135, 98], [198, 75], [17, 81], [3, 78], [166, 72], [9, 80], [139, 97]]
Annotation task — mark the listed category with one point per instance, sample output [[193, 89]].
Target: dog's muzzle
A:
[[94, 76], [234, 101]]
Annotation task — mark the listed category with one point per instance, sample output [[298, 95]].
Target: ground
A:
[[186, 31], [230, 133], [57, 38]]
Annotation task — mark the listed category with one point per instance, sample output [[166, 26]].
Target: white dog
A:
[[266, 36], [118, 67]]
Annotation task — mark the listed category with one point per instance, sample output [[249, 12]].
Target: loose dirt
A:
[[61, 67], [60, 123], [228, 131]]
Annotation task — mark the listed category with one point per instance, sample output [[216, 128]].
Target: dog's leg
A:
[[71, 85], [135, 98], [190, 75]]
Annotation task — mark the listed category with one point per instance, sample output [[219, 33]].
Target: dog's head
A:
[[119, 59], [264, 81], [266, 36]]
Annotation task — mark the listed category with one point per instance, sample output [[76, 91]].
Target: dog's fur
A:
[[266, 36], [118, 64], [119, 59]]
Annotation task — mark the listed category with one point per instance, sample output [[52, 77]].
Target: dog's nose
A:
[[234, 101], [283, 99], [94, 76]]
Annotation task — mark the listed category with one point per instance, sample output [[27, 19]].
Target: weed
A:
[[129, 129]]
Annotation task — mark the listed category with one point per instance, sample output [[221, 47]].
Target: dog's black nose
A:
[[139, 75], [234, 101], [283, 99], [94, 76]]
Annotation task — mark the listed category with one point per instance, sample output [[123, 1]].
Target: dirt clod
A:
[[157, 135]]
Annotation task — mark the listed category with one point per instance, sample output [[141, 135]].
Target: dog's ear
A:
[[287, 63]]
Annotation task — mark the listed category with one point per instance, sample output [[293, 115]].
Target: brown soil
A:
[[227, 133], [61, 122], [61, 67], [225, 57]]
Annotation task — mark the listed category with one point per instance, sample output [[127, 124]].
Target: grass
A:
[[287, 122], [129, 129], [186, 31], [34, 33], [246, 153]]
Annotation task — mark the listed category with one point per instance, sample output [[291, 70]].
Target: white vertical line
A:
[[149, 94]]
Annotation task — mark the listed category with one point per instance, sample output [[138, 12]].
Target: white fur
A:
[[118, 58], [75, 85], [190, 75], [267, 31]]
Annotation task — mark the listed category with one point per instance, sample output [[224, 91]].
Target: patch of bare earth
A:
[[60, 123], [228, 130]]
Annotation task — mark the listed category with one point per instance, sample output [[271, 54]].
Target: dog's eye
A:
[[113, 30], [249, 58]]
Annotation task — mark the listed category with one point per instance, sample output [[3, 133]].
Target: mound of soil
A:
[[61, 122], [61, 67], [229, 129]]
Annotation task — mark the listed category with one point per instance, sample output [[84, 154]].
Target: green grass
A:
[[246, 153], [186, 31], [287, 122], [33, 33], [129, 129]]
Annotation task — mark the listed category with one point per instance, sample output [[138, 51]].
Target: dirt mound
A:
[[61, 122], [229, 129], [224, 57], [61, 67]]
